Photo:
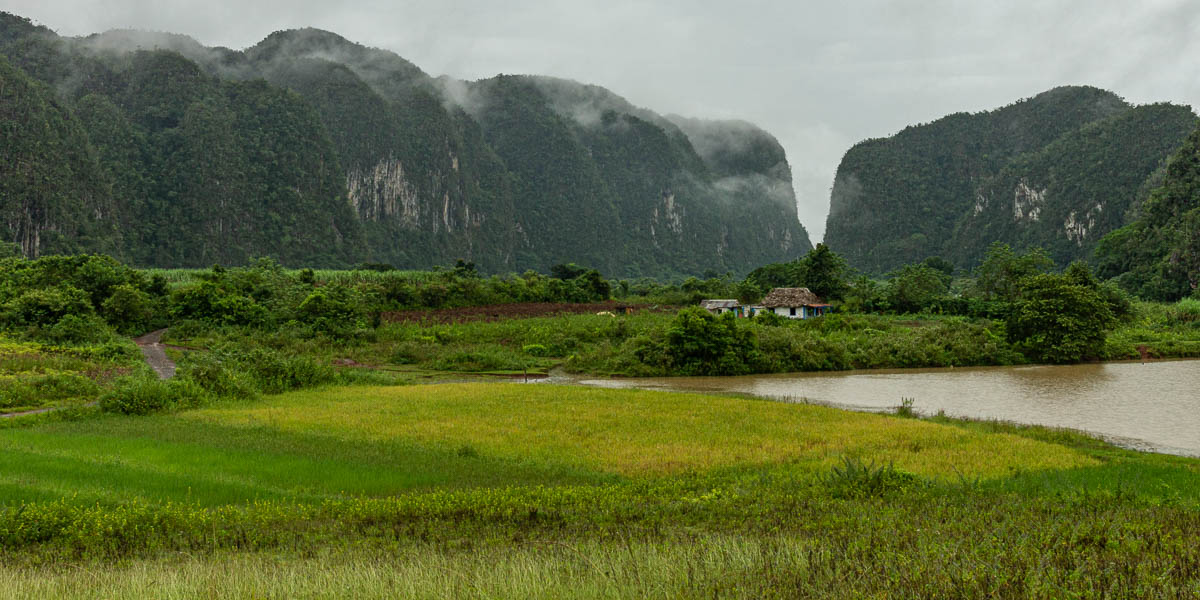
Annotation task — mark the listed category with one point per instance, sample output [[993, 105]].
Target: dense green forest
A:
[[1056, 171], [1157, 256], [317, 151]]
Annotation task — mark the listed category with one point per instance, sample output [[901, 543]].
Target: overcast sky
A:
[[820, 76]]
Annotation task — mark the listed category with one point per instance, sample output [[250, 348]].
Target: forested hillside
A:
[[1157, 256], [318, 151], [1058, 170]]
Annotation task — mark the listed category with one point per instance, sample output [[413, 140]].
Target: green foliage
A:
[[207, 302], [42, 307], [822, 271], [1158, 255], [78, 298], [856, 479], [1057, 171], [41, 389], [1060, 319], [78, 329], [1000, 275], [915, 287], [128, 309], [701, 344], [147, 394], [190, 156]]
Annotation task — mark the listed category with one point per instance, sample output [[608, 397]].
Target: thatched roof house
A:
[[785, 297], [717, 307], [797, 303]]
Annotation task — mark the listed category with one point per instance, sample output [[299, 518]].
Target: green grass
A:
[[318, 445], [507, 490], [35, 375], [636, 432]]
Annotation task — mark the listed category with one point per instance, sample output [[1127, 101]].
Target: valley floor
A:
[[507, 490]]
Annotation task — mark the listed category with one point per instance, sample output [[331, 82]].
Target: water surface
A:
[[1149, 406]]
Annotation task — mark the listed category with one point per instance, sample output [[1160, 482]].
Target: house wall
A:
[[802, 312]]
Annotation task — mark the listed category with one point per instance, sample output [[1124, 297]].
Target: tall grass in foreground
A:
[[871, 553]]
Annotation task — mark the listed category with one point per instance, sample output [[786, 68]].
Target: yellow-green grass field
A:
[[376, 441], [638, 433], [485, 490]]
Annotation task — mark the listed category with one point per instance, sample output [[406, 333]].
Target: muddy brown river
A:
[[1148, 406]]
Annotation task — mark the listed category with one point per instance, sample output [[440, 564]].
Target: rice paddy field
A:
[[500, 490]]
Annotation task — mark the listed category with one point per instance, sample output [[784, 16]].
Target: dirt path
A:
[[36, 411], [152, 348]]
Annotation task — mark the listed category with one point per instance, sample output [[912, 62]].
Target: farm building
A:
[[794, 303], [718, 307]]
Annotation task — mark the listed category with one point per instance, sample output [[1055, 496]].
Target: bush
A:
[[218, 377], [145, 395], [207, 302], [275, 373], [855, 479], [482, 359], [78, 329], [43, 389], [701, 344], [128, 309], [44, 307], [1059, 320], [328, 314]]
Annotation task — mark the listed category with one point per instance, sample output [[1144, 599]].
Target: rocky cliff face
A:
[[1058, 170], [509, 172]]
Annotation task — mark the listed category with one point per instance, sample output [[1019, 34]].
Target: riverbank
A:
[[508, 490], [637, 345], [1143, 405]]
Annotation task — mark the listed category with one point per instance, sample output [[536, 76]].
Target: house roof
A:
[[711, 304], [785, 297]]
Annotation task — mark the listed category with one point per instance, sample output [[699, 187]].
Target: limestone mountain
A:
[[319, 151], [1058, 170]]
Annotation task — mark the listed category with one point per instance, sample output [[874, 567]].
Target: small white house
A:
[[794, 303], [718, 307]]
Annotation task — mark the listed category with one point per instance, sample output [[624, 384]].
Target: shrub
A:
[[1059, 320], [276, 373], [701, 344], [327, 313], [218, 377], [48, 306], [43, 389], [128, 309], [144, 395], [78, 329], [207, 302], [856, 479], [482, 359]]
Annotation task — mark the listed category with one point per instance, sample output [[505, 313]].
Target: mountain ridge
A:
[[511, 172], [937, 189]]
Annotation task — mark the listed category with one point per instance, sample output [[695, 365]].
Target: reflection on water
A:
[[1153, 405]]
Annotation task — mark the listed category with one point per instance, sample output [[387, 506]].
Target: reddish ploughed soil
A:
[[495, 312]]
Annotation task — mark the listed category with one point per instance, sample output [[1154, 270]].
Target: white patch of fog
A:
[[458, 94], [776, 189]]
